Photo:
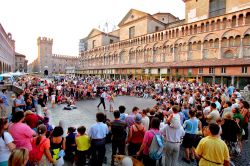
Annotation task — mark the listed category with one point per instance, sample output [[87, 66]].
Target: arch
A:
[[193, 39], [246, 40], [240, 20], [179, 41], [247, 32], [233, 22], [210, 36], [166, 43], [247, 21], [229, 33], [237, 41], [229, 54], [155, 45]]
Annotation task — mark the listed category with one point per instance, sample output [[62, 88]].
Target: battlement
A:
[[44, 40], [59, 56]]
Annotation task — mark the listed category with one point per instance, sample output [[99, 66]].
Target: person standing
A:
[[147, 140], [191, 128], [6, 142], [83, 145], [145, 119], [21, 132], [214, 115], [102, 99], [97, 133], [212, 150], [4, 103], [173, 136], [118, 130], [136, 135]]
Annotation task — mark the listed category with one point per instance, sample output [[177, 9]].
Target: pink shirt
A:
[[22, 135], [148, 137]]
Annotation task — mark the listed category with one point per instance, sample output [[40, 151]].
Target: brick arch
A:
[[193, 39], [229, 54], [166, 43], [210, 36], [247, 32], [179, 40], [229, 33]]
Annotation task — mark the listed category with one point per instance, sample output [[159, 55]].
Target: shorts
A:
[[88, 94], [188, 140]]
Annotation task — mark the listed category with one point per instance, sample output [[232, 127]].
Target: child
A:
[[82, 144], [111, 101], [53, 100], [70, 145]]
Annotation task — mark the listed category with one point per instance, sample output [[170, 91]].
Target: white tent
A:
[[18, 73], [6, 76]]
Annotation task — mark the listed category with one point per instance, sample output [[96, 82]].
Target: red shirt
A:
[[32, 119]]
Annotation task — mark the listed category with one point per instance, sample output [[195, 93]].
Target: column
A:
[[221, 83], [237, 83], [202, 52], [237, 21], [173, 54], [197, 78], [120, 76], [213, 80], [244, 20], [241, 48], [219, 56], [232, 80]]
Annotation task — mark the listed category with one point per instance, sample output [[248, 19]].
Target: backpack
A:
[[156, 147], [35, 155]]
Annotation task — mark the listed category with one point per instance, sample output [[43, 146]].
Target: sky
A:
[[67, 21]]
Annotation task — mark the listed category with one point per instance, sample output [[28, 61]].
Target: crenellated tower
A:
[[44, 54]]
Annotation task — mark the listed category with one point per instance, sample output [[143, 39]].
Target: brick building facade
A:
[[7, 51], [212, 44]]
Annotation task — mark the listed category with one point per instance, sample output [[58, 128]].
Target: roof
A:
[[194, 63], [138, 12], [18, 54]]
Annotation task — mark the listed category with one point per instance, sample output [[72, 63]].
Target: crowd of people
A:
[[209, 121]]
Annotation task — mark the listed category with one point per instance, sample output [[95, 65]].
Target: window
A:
[[200, 71], [217, 7], [211, 70], [169, 71], [156, 29], [190, 71], [93, 44], [131, 32], [111, 41], [177, 71], [223, 70], [244, 70]]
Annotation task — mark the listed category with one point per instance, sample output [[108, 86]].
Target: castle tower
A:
[[44, 55]]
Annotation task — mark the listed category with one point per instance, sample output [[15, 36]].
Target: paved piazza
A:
[[85, 115]]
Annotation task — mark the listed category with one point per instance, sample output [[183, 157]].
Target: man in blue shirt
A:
[[97, 133], [230, 90]]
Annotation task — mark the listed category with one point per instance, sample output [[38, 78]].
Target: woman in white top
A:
[[6, 142]]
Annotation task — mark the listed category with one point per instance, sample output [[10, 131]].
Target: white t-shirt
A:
[[145, 122], [53, 97], [4, 150]]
